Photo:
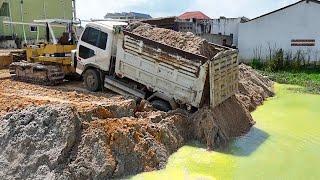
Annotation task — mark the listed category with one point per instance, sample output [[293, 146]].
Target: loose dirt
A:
[[66, 132], [4, 74], [185, 41], [17, 95], [254, 88], [36, 140]]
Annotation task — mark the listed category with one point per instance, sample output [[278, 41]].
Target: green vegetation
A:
[[284, 144], [279, 60], [309, 79], [288, 68]]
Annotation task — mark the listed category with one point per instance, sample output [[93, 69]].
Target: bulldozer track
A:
[[47, 75]]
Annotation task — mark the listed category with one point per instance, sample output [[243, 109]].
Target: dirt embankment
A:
[[53, 141], [67, 132]]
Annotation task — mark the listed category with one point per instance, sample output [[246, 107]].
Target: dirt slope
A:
[[253, 88]]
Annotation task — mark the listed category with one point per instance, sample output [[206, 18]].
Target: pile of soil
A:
[[77, 135], [185, 41], [254, 88], [54, 142], [215, 127], [37, 140], [232, 118]]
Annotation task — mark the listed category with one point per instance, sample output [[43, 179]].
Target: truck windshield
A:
[[95, 37]]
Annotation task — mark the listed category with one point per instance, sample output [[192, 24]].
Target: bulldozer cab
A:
[[68, 37]]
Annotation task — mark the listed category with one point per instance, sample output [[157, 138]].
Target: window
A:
[[90, 36], [102, 43], [95, 37], [4, 9], [33, 28], [85, 52]]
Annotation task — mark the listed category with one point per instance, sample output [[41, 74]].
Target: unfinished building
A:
[[13, 34]]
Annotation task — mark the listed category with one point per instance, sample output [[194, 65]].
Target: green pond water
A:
[[284, 144]]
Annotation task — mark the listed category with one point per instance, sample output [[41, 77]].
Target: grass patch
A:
[[309, 79]]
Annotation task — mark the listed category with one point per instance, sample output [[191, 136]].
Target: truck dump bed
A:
[[188, 78]]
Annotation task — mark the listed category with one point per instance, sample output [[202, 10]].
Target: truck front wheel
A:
[[161, 105], [92, 80]]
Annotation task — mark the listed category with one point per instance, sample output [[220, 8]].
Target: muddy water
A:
[[284, 144]]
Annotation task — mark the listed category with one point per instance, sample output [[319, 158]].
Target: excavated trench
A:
[[68, 133]]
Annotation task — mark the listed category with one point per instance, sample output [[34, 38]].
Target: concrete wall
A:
[[277, 30], [217, 39], [227, 26], [35, 9]]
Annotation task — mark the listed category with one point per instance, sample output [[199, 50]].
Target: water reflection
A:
[[248, 144]]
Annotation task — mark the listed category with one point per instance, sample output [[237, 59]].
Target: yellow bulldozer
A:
[[48, 63]]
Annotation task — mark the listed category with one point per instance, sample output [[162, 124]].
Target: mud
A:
[[65, 132], [185, 41]]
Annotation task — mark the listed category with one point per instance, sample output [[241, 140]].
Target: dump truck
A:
[[109, 56]]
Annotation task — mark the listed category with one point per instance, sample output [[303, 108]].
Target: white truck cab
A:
[[96, 45]]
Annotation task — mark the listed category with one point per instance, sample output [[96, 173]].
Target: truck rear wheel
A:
[[161, 105], [92, 80]]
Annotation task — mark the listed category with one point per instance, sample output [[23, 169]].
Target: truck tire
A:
[[161, 105], [92, 80]]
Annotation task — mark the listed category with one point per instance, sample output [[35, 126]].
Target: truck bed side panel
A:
[[169, 74]]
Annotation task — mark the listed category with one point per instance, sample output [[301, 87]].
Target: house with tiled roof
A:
[[194, 15], [195, 22]]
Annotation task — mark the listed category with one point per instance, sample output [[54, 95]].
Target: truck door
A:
[[93, 49], [87, 49], [103, 51]]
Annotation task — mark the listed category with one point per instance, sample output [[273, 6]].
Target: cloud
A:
[[213, 8]]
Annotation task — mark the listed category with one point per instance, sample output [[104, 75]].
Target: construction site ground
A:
[[67, 132], [16, 95]]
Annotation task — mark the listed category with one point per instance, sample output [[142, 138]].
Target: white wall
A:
[[300, 21], [226, 26]]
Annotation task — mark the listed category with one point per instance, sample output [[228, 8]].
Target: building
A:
[[164, 22], [227, 28], [26, 11], [294, 29], [195, 22], [127, 16], [194, 15]]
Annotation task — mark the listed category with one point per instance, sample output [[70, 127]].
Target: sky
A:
[[96, 9]]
